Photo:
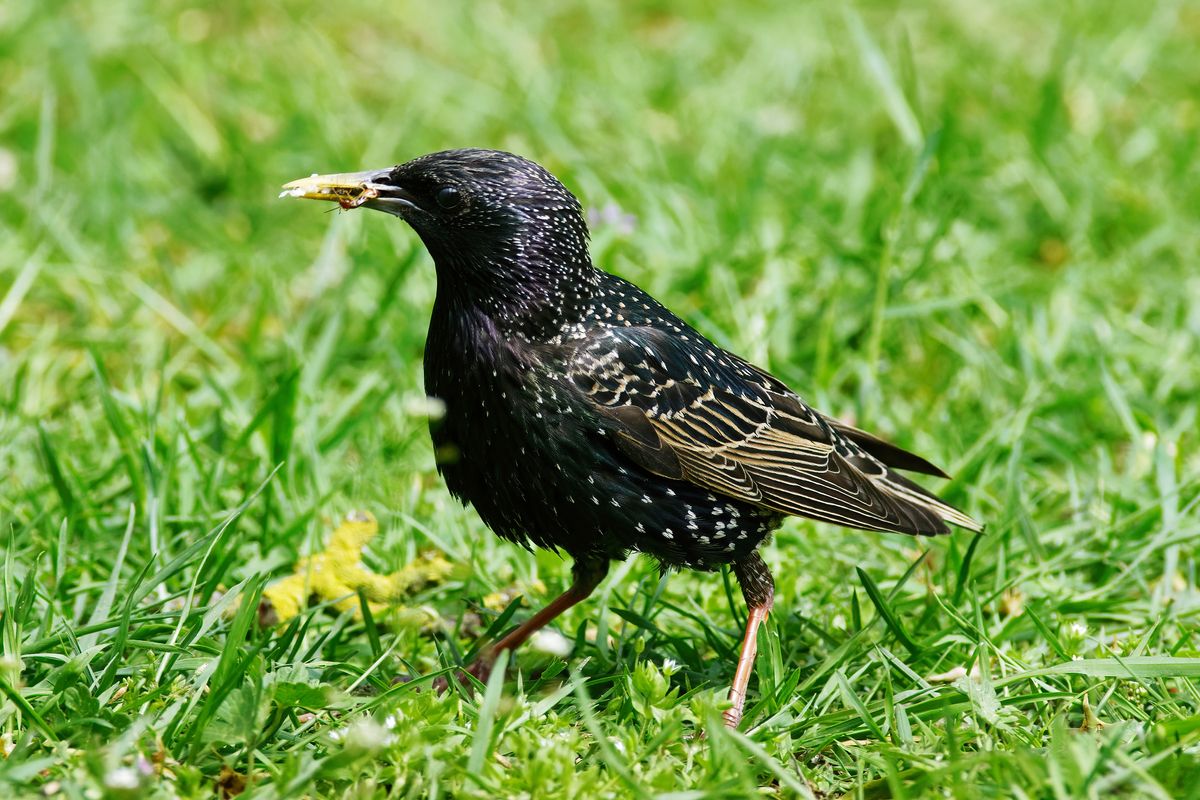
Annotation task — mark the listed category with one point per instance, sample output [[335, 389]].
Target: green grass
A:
[[971, 227]]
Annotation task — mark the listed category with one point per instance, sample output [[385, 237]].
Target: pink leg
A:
[[759, 590]]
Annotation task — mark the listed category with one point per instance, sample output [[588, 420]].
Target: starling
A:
[[583, 416]]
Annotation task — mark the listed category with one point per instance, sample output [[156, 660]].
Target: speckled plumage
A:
[[582, 415]]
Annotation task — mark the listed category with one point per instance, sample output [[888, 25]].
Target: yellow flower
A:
[[337, 574]]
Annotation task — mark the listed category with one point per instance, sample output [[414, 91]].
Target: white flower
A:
[[121, 779], [367, 736], [1078, 629], [551, 642]]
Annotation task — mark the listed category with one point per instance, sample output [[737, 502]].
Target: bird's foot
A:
[[737, 707], [732, 716], [480, 669]]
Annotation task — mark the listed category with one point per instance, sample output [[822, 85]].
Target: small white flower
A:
[[389, 721], [551, 642], [368, 736], [121, 779], [1078, 629]]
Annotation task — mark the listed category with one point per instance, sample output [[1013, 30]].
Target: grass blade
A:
[[890, 618], [481, 742]]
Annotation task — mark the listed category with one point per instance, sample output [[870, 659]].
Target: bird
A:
[[582, 416]]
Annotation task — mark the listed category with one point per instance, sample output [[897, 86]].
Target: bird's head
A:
[[495, 223]]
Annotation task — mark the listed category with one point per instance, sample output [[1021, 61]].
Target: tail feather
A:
[[913, 494], [884, 451]]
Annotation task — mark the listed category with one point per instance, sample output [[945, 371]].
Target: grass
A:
[[971, 227]]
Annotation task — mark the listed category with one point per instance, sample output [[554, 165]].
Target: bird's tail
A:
[[927, 509]]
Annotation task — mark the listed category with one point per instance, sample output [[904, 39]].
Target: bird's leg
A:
[[588, 573], [759, 590], [587, 576]]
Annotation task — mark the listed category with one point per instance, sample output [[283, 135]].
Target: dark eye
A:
[[448, 197]]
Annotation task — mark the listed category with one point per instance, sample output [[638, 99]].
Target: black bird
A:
[[583, 416]]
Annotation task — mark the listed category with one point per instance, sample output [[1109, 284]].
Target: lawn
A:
[[971, 227]]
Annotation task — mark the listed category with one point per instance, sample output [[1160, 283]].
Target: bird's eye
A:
[[448, 197]]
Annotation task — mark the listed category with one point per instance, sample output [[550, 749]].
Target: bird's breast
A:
[[508, 428]]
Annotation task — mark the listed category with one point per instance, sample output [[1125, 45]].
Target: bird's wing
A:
[[879, 449], [683, 409]]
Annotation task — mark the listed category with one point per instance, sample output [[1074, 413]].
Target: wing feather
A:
[[733, 429]]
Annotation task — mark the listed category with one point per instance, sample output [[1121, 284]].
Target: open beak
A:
[[353, 189]]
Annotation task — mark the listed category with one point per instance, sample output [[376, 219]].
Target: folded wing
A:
[[701, 415]]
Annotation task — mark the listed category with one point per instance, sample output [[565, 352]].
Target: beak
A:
[[353, 189]]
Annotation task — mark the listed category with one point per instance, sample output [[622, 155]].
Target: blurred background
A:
[[968, 226]]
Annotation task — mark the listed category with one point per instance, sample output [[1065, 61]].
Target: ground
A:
[[968, 226]]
